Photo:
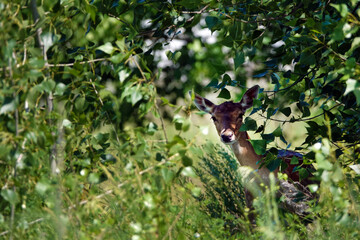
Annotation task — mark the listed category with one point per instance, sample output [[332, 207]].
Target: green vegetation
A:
[[99, 140]]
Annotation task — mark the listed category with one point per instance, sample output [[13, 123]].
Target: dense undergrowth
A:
[[161, 200], [98, 138]]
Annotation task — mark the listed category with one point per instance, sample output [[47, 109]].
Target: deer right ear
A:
[[203, 104], [248, 98]]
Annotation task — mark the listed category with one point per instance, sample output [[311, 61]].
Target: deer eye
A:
[[240, 116], [214, 119]]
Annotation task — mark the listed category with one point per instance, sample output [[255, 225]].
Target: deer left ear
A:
[[203, 104], [248, 98]]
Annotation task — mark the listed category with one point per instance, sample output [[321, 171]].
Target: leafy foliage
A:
[[94, 132]]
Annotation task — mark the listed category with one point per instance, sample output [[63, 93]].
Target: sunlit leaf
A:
[[8, 106], [60, 89], [107, 48], [10, 196], [341, 8], [167, 174], [188, 172], [353, 86], [94, 178]]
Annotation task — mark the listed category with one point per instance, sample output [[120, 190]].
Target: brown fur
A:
[[228, 120]]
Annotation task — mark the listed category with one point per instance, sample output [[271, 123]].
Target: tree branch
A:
[[300, 119]]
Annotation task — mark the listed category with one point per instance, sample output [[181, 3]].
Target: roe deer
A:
[[228, 118]]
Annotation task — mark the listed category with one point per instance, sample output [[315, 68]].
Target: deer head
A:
[[228, 116]]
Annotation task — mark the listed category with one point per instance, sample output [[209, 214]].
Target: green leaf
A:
[[224, 94], [120, 57], [274, 78], [179, 140], [268, 137], [106, 48], [167, 174], [188, 172], [80, 104], [213, 83], [42, 187], [306, 112], [36, 63], [313, 187], [173, 56], [48, 85], [211, 21], [294, 160], [323, 163], [8, 105], [307, 58], [196, 191], [136, 96], [60, 89], [277, 132], [270, 112], [152, 128], [354, 45], [286, 111], [259, 146], [248, 125], [94, 178], [338, 33], [356, 168], [186, 126], [186, 161], [341, 8], [303, 174], [353, 85], [239, 59], [227, 79], [10, 196], [274, 164], [66, 123]]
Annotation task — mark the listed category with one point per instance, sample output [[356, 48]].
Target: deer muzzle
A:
[[227, 136]]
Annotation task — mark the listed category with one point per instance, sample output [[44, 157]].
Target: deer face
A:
[[228, 116]]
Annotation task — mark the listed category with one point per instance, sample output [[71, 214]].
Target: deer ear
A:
[[248, 98], [203, 104]]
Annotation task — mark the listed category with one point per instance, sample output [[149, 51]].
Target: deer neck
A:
[[247, 156]]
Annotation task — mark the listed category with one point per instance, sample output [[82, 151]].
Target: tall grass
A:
[[158, 200]]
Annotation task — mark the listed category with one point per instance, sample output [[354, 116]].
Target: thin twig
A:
[[293, 84], [51, 65], [198, 12], [162, 122], [299, 119], [82, 62]]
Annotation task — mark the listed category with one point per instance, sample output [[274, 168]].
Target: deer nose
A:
[[227, 137]]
